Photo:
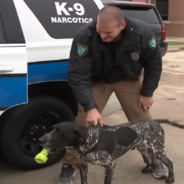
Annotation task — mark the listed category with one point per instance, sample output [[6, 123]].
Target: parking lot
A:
[[168, 103]]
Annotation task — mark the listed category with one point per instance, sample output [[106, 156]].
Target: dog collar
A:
[[92, 139]]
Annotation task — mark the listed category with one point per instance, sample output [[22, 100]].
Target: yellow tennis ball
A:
[[41, 157]]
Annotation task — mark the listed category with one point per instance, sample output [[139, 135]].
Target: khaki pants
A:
[[127, 93]]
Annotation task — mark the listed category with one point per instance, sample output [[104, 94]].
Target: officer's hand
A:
[[93, 118], [145, 102]]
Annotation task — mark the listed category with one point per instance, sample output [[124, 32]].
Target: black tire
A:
[[16, 133]]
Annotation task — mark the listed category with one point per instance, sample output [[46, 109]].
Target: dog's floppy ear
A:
[[80, 134]]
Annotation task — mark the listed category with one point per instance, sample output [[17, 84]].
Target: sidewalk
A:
[[174, 61], [178, 39], [175, 48], [128, 170]]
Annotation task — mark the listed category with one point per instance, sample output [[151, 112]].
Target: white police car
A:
[[35, 41]]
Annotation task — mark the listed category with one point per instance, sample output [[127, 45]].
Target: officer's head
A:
[[110, 23]]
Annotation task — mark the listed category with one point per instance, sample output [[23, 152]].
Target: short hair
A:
[[111, 13]]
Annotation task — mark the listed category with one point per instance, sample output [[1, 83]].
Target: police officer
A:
[[108, 55]]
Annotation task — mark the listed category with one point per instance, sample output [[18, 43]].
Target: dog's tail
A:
[[172, 123]]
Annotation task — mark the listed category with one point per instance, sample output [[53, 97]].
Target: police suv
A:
[[35, 42]]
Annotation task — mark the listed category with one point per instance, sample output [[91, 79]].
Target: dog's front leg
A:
[[83, 169], [104, 159], [109, 171]]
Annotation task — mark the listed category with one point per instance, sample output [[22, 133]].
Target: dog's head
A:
[[63, 135]]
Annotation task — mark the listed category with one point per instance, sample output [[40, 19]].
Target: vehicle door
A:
[[13, 59]]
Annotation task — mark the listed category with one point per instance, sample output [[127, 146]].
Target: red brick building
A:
[[172, 13]]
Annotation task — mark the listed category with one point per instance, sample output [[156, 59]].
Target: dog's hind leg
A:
[[161, 155], [83, 169], [158, 151], [109, 171], [156, 147], [146, 157], [147, 161]]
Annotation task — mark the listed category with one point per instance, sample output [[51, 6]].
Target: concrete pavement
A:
[[174, 61], [178, 39], [175, 48], [168, 103], [129, 166]]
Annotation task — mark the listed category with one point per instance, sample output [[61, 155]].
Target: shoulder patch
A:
[[135, 56], [82, 49], [152, 43]]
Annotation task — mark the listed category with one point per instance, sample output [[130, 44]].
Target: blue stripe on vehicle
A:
[[13, 90], [42, 72]]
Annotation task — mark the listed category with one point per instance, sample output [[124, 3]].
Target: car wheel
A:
[[24, 124]]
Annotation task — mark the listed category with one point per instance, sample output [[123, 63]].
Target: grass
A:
[[172, 43]]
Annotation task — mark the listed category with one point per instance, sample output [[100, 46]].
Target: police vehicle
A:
[[35, 41]]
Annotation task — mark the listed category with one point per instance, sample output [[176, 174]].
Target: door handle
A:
[[6, 68]]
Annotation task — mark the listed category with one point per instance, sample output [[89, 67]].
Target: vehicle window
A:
[[2, 35], [61, 19], [146, 15], [10, 23]]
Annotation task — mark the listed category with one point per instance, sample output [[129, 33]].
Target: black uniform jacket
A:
[[90, 59]]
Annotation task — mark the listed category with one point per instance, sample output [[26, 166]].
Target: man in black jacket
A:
[[108, 55]]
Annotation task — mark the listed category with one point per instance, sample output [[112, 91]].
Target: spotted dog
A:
[[103, 145]]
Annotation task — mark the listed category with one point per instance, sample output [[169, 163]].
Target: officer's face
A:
[[109, 31]]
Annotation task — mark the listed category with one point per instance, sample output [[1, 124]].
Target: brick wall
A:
[[176, 10], [175, 24], [175, 30]]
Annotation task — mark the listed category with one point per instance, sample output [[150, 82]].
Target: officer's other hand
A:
[[93, 118], [145, 102]]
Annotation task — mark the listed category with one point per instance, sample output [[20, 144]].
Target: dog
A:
[[103, 145]]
